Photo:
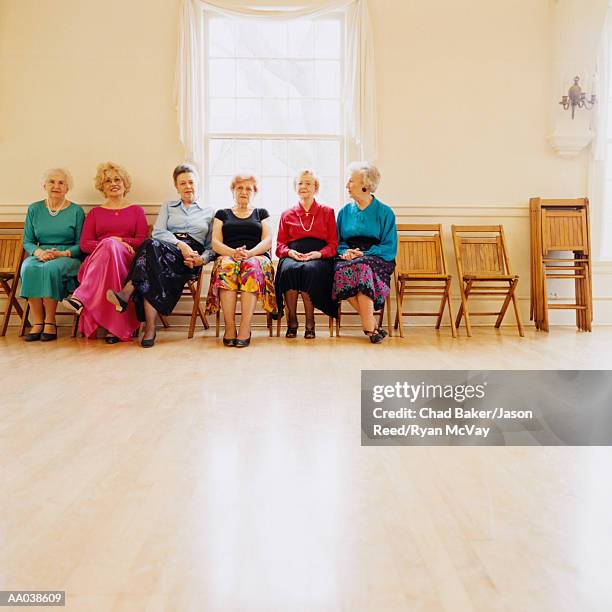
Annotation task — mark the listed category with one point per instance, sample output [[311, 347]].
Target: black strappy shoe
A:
[[34, 336], [238, 343], [376, 336], [71, 303], [44, 337], [309, 333], [291, 332]]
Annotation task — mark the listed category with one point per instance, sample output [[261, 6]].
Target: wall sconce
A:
[[577, 98]]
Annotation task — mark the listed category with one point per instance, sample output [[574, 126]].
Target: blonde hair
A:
[[370, 174], [47, 173], [120, 170], [243, 178], [308, 172]]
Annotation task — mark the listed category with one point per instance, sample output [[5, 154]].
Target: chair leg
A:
[[517, 314], [339, 320], [164, 320], [399, 298], [269, 324], [463, 310], [331, 326], [196, 311], [75, 325], [502, 310], [24, 320], [8, 307], [389, 316], [450, 308]]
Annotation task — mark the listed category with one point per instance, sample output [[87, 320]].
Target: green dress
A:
[[56, 278]]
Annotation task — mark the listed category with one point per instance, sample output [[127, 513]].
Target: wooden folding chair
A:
[[421, 260], [11, 258], [193, 289], [483, 267], [378, 313], [559, 226]]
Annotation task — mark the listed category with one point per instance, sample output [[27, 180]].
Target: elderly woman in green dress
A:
[[51, 238]]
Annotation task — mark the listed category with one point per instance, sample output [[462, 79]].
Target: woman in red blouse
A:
[[111, 234], [306, 245]]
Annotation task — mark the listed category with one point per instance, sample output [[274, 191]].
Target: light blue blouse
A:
[[195, 220], [376, 221]]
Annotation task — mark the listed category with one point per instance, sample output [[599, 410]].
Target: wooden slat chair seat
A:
[[420, 259], [482, 259]]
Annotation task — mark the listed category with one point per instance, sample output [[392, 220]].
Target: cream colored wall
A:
[[84, 81], [464, 92]]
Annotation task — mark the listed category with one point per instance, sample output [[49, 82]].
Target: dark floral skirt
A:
[[367, 274], [159, 275]]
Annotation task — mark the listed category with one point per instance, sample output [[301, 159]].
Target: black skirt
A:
[[314, 277], [159, 274]]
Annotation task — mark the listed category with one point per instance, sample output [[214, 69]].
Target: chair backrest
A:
[[11, 227], [564, 230], [481, 250], [419, 249], [11, 248]]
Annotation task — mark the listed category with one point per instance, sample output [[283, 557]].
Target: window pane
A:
[[301, 38], [274, 158], [221, 38], [222, 115], [219, 192], [221, 157], [327, 39], [222, 78], [249, 78], [327, 79], [328, 158], [248, 156]]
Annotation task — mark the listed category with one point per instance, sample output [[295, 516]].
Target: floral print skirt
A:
[[159, 275], [367, 274], [253, 275]]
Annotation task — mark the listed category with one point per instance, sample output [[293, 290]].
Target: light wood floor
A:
[[192, 477]]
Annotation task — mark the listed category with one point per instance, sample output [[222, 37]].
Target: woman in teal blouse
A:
[[367, 246], [51, 237]]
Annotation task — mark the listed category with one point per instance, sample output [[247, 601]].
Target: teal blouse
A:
[[62, 232], [376, 221]]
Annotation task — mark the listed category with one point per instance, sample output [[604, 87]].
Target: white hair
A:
[[308, 172], [47, 173], [370, 174]]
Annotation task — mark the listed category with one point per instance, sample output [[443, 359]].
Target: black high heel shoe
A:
[[149, 342], [376, 336], [291, 332], [34, 336], [238, 343], [309, 333], [71, 303], [44, 337], [229, 341]]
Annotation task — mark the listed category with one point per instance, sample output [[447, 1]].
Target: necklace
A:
[[55, 212], [311, 223]]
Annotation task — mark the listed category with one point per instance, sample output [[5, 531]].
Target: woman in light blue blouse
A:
[[164, 263], [367, 246]]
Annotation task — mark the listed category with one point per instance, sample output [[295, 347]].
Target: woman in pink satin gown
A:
[[111, 233]]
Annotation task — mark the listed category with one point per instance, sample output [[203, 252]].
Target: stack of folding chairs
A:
[[560, 250]]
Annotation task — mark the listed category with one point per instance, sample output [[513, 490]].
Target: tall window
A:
[[274, 106]]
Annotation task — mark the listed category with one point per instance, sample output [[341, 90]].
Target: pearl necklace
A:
[[311, 223], [55, 212]]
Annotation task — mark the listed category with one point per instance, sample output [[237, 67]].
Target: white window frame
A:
[[340, 138]]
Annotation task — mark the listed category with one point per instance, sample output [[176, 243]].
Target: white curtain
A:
[[359, 90], [601, 208]]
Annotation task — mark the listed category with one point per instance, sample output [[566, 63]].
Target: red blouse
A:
[[320, 222], [129, 224]]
